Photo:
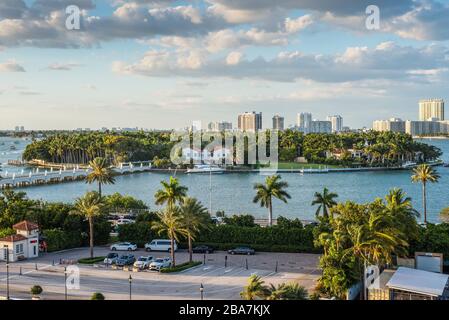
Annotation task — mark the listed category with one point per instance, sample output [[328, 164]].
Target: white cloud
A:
[[234, 58], [11, 66]]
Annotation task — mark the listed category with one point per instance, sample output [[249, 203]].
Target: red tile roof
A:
[[13, 238], [25, 226]]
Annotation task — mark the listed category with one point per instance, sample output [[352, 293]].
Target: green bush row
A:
[[224, 237], [181, 267], [91, 260]]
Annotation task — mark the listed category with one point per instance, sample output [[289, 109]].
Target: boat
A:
[[446, 165], [205, 168], [409, 165], [12, 147]]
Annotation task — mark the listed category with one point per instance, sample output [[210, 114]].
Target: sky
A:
[[161, 64]]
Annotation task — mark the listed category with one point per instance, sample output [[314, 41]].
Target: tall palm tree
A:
[[89, 206], [325, 201], [101, 173], [254, 289], [170, 222], [273, 187], [171, 193], [195, 217], [424, 174], [287, 291]]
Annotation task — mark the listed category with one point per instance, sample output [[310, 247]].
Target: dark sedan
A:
[[203, 249], [242, 250], [125, 260]]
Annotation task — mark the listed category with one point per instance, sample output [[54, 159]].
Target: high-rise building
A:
[[337, 123], [317, 126], [419, 128], [219, 126], [393, 124], [431, 108], [250, 121], [278, 122], [304, 121]]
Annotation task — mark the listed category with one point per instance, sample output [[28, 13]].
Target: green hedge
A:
[[181, 267], [58, 239], [224, 237], [138, 233], [274, 238], [433, 238], [91, 260]]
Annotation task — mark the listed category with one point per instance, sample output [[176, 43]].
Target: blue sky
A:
[[163, 64]]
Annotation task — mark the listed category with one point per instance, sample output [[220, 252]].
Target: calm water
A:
[[233, 193]]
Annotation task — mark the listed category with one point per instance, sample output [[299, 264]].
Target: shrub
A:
[[138, 233], [97, 296], [181, 267], [35, 290], [241, 221], [91, 260], [58, 239]]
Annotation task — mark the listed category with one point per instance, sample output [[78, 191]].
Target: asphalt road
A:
[[219, 281]]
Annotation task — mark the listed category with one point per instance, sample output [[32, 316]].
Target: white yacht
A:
[[205, 168], [409, 165]]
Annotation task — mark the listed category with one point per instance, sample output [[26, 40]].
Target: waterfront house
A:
[[22, 245]]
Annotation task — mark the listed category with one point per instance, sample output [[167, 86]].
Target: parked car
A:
[[120, 222], [111, 258], [160, 263], [160, 245], [124, 246], [143, 262], [203, 249], [125, 260], [242, 250]]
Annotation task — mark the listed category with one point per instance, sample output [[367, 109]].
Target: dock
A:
[[38, 176]]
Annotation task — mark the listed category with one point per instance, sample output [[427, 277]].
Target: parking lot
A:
[[223, 276]]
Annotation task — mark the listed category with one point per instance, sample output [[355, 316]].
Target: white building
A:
[[304, 121], [393, 124], [431, 108], [337, 123], [419, 128], [318, 126], [218, 126], [22, 245]]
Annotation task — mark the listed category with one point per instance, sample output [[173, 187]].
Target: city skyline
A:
[[153, 64]]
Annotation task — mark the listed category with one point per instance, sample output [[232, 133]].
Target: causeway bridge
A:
[[39, 176]]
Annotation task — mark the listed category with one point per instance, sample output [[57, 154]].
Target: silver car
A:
[[143, 262], [160, 263]]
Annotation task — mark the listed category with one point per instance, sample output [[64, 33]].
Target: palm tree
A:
[[325, 201], [287, 291], [101, 173], [170, 222], [194, 218], [424, 173], [254, 289], [171, 193], [265, 193], [89, 206]]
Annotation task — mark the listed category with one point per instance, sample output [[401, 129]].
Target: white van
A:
[[160, 245]]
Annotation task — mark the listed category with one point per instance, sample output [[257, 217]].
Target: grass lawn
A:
[[295, 165]]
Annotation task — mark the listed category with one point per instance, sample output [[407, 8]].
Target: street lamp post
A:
[[65, 283], [7, 274], [202, 291], [130, 279]]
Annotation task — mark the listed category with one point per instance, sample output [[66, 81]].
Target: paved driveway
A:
[[219, 281]]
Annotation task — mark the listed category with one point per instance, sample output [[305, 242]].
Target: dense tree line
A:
[[379, 148]]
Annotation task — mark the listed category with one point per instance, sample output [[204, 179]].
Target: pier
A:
[[38, 176]]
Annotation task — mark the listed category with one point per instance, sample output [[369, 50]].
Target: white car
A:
[[143, 262], [160, 245], [120, 222], [124, 246], [160, 263]]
